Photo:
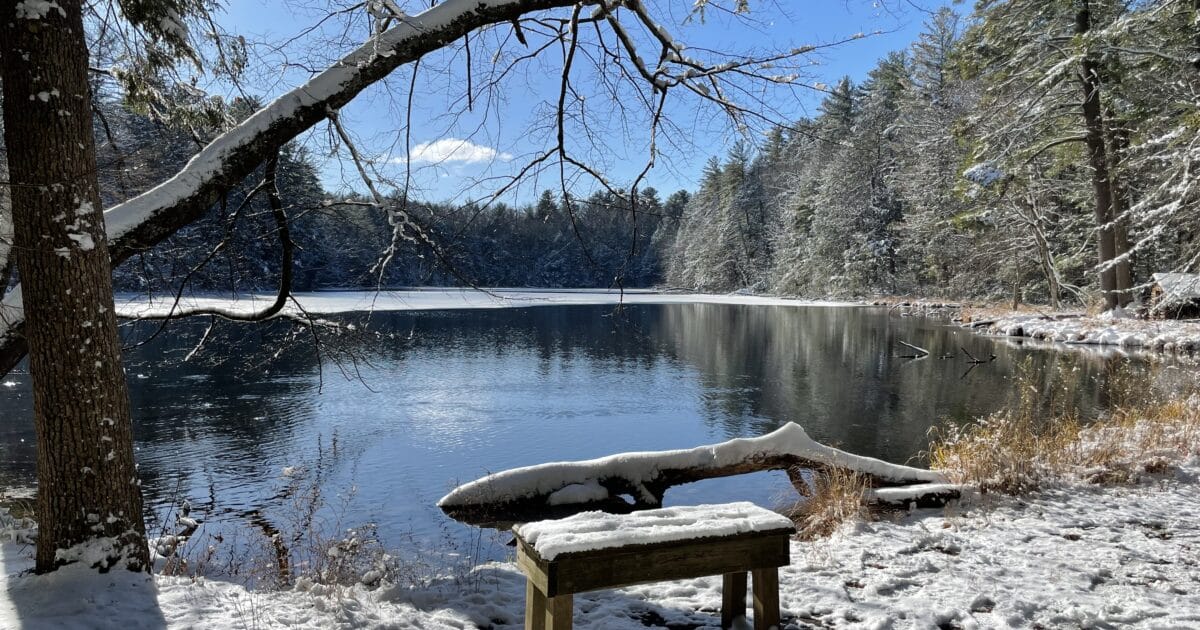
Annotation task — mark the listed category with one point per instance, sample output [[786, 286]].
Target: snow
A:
[[97, 552], [904, 494], [642, 467], [331, 302], [1177, 287], [1073, 556], [37, 9], [172, 24], [578, 493], [1109, 330], [82, 240], [592, 531], [984, 174]]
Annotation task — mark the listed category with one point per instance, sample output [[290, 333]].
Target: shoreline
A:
[[1068, 330], [1071, 555], [428, 299]]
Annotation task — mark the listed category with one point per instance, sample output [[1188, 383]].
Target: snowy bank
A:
[[331, 302], [1158, 335], [1070, 557]]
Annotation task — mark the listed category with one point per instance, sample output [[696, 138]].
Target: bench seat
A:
[[596, 550]]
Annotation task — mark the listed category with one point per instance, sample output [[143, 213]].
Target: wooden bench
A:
[[595, 550]]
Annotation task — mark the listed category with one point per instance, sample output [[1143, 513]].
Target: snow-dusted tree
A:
[[1156, 134], [1044, 70], [856, 208], [937, 239], [799, 172]]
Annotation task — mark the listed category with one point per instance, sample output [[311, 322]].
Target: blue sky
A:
[[456, 153]]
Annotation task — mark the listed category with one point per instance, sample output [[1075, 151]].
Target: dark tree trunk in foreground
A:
[[89, 505]]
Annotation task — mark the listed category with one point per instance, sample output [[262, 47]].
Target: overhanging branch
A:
[[149, 218]]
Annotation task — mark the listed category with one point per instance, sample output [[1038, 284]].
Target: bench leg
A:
[[535, 607], [558, 612], [766, 598], [733, 598]]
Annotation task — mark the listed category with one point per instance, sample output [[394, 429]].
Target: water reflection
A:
[[406, 404]]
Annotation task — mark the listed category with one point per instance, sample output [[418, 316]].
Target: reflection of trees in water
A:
[[231, 403], [251, 392], [617, 337], [835, 372], [247, 389]]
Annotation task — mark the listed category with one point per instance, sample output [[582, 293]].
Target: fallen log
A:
[[632, 481]]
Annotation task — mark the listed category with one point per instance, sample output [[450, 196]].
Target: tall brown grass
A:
[[1016, 450], [834, 497], [1036, 441]]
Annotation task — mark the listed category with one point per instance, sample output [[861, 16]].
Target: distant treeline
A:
[[602, 240]]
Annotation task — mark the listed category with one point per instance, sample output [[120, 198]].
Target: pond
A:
[[386, 418]]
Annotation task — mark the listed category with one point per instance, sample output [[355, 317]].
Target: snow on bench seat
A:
[[597, 531]]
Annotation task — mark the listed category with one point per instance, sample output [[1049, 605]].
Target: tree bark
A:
[[1118, 143], [89, 501], [1093, 118]]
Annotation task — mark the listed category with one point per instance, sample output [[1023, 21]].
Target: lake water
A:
[[390, 416]]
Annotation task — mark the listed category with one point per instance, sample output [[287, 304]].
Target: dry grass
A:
[[835, 497], [1036, 441], [1015, 451]]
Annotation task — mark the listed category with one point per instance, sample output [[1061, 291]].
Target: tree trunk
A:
[[1118, 142], [1033, 219], [1016, 281], [89, 501], [1097, 158]]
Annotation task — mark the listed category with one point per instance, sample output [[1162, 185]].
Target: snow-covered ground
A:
[[1076, 556], [329, 302]]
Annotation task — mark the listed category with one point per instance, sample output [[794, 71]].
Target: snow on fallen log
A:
[[918, 495], [560, 488]]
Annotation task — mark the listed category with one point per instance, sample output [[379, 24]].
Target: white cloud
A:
[[453, 150]]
